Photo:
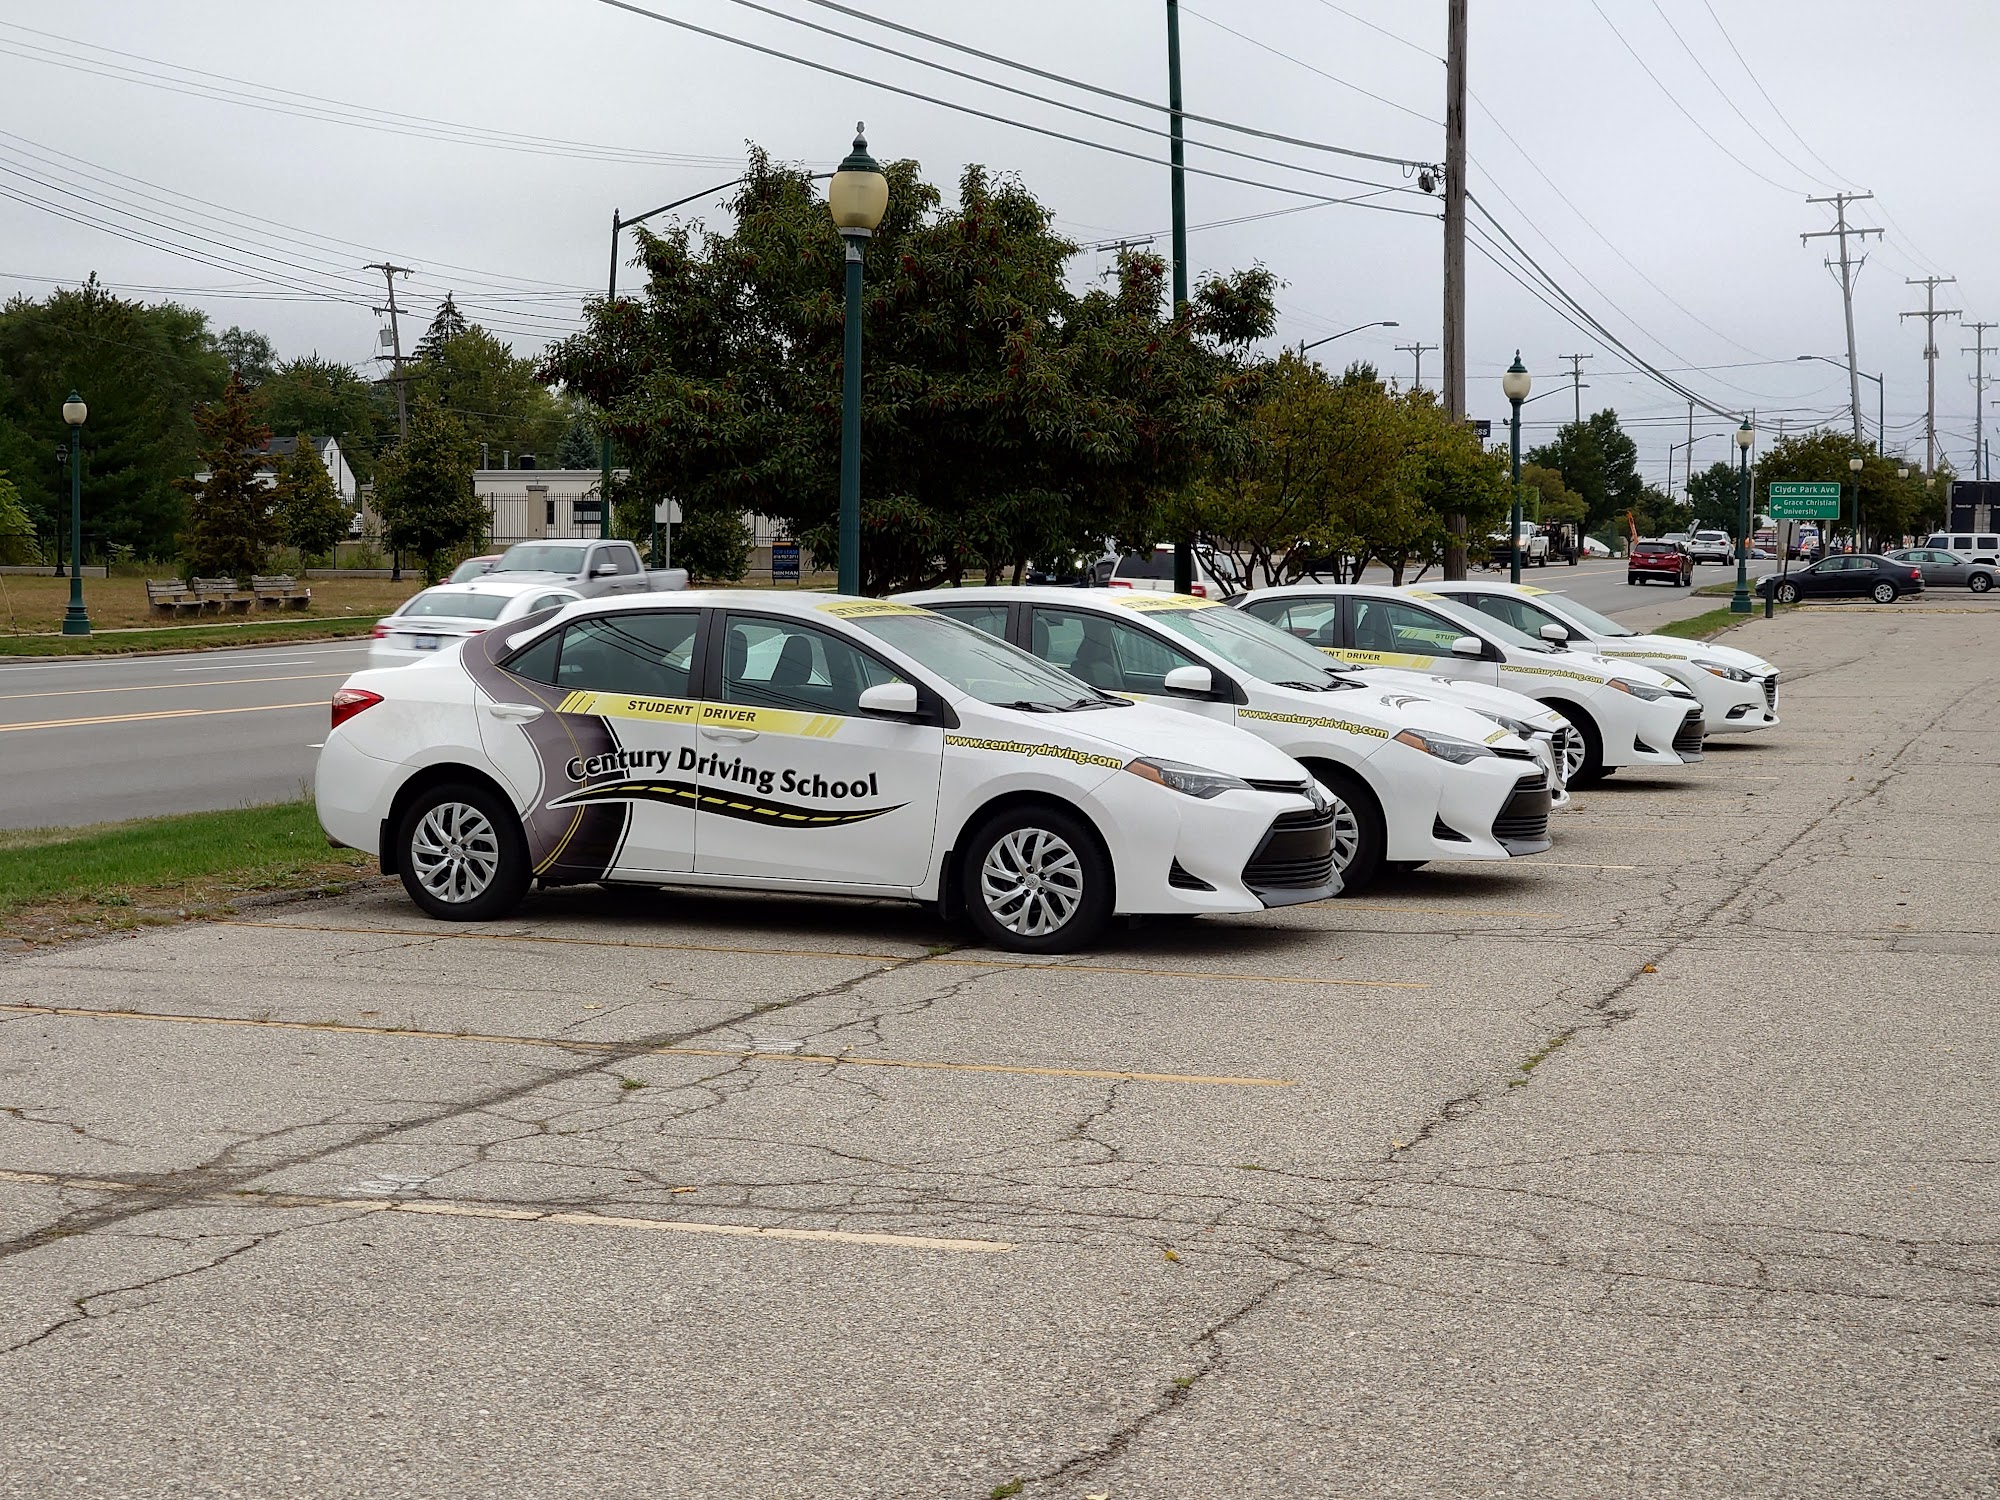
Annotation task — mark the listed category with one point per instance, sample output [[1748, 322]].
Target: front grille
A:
[[1525, 818], [1300, 788], [1296, 855], [1687, 742], [1506, 753], [1771, 692]]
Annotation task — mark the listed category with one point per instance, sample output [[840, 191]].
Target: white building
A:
[[276, 450], [525, 505]]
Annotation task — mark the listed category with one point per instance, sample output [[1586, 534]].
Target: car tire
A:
[[1631, 579], [1591, 768], [1403, 866], [1788, 593], [1359, 827], [1883, 593], [1979, 583], [462, 854], [1036, 880]]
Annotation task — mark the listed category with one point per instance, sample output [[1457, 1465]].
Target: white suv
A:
[[1712, 546]]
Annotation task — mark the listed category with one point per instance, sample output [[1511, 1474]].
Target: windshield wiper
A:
[[1308, 687]]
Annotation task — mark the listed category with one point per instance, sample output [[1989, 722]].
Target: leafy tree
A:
[[315, 395], [423, 489], [1004, 417], [1548, 499], [1596, 460], [447, 324], [1446, 472], [249, 354], [310, 514], [18, 542], [229, 514], [143, 371], [1891, 506], [1713, 495], [496, 396]]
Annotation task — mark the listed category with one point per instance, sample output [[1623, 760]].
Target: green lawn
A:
[[1713, 622], [186, 637], [69, 881]]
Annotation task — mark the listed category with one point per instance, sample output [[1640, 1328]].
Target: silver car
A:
[[1943, 569]]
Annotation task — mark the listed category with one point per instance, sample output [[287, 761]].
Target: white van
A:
[[1973, 546], [1153, 572]]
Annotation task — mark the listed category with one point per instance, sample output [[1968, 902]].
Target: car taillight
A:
[[350, 701], [1200, 591], [1916, 575], [1119, 583], [381, 633]]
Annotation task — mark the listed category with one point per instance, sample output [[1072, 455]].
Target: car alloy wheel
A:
[[1031, 882], [1885, 593], [1360, 833], [1346, 833], [1979, 583], [1788, 593], [1036, 880], [1573, 751], [454, 852]]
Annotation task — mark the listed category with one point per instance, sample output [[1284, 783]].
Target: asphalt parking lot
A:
[[1664, 1163]]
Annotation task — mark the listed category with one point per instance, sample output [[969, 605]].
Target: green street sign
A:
[[1804, 502]]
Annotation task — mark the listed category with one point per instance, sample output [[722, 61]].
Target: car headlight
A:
[[1519, 727], [1190, 781], [1723, 669], [1639, 689], [1444, 746]]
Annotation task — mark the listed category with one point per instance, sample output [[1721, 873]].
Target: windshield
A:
[[976, 663], [457, 604], [1485, 624], [1591, 620], [1250, 644], [540, 557]]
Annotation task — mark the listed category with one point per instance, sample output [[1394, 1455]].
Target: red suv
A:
[[1651, 559]]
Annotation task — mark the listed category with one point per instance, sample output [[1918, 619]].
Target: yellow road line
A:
[[565, 1044], [163, 713], [974, 963], [446, 1209], [1450, 911], [155, 687]]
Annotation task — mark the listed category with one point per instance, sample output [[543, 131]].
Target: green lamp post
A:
[[1739, 602], [1516, 384], [857, 197], [76, 619]]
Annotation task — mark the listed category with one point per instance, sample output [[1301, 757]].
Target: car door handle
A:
[[728, 734], [520, 711]]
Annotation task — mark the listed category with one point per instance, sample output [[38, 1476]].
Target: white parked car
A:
[[1153, 572], [441, 617], [1624, 714], [1711, 546], [1738, 692], [763, 740], [1412, 779]]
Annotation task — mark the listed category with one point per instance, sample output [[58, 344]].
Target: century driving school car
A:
[[794, 741]]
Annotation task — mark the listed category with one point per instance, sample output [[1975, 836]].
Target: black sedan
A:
[[1847, 575]]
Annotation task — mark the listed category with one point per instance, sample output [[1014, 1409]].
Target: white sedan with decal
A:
[[1412, 779], [1738, 691], [803, 742], [1624, 714]]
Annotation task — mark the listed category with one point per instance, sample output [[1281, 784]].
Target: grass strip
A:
[[187, 637], [1711, 623], [79, 882]]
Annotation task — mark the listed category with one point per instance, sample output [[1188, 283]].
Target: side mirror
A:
[[1555, 635], [1190, 682], [604, 570], [1468, 646], [894, 700]]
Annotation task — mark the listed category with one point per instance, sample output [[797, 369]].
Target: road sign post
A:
[[784, 562]]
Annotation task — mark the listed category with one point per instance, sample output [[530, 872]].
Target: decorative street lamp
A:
[[76, 619], [858, 196], [1739, 602], [1516, 384], [1854, 468]]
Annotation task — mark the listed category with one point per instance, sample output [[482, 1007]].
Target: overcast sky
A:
[[1671, 216]]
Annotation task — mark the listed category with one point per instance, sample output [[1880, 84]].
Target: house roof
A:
[[281, 447]]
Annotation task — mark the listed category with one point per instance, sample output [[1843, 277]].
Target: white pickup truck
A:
[[589, 568], [1534, 544]]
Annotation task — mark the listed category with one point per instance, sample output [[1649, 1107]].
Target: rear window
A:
[[457, 604], [1156, 564], [1649, 545]]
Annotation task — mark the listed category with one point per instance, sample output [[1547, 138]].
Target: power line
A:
[[1758, 82], [1329, 77]]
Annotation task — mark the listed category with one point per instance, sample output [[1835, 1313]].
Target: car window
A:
[[549, 601], [540, 557], [991, 618], [1314, 621], [624, 559], [1509, 610], [1157, 564], [784, 664], [648, 655], [1108, 654], [1988, 543], [1962, 543], [1382, 625], [457, 604]]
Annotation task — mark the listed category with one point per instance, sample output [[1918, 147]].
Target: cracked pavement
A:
[[1665, 1164]]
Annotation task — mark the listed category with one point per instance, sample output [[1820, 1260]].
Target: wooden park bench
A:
[[280, 591], [221, 593], [169, 596]]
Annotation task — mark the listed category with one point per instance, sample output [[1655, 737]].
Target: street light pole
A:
[[1515, 384], [1739, 602], [858, 196], [76, 619], [1382, 323], [1854, 466]]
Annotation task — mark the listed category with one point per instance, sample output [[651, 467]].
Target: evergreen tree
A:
[[310, 514], [449, 324], [578, 447], [229, 514], [423, 489], [18, 543]]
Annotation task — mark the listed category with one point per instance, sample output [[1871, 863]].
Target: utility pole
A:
[[1576, 386], [389, 274], [1687, 458], [1842, 229], [1183, 549], [1419, 349], [1454, 252], [1930, 314], [1979, 350]]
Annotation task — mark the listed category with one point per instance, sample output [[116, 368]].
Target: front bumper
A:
[[1176, 855], [1294, 863], [1436, 810], [1757, 709], [1523, 824]]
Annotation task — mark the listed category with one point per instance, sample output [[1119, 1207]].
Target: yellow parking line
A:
[[447, 1209], [155, 687], [1451, 911], [163, 713], [977, 963], [502, 1039]]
